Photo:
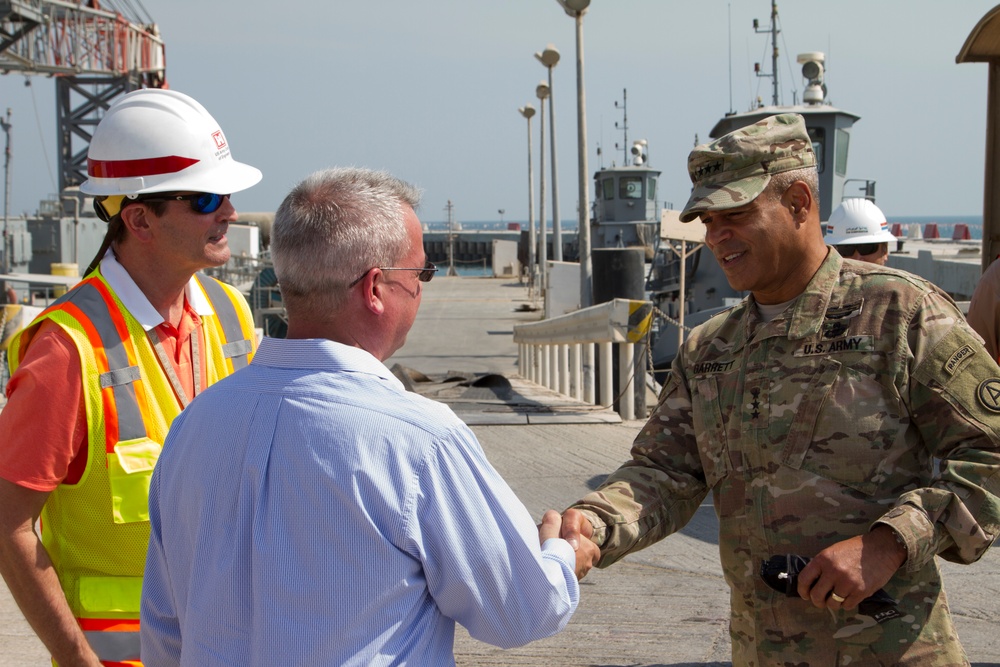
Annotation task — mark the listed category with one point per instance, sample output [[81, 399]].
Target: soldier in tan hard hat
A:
[[814, 412]]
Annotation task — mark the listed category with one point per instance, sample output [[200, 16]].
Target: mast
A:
[[624, 126], [774, 51]]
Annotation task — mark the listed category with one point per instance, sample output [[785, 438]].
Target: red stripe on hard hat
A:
[[132, 168]]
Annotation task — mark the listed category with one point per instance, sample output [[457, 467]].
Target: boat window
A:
[[630, 187], [608, 186], [843, 140], [818, 136], [651, 188]]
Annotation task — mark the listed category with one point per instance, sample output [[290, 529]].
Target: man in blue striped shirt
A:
[[308, 510]]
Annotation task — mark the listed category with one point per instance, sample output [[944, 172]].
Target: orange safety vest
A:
[[96, 531]]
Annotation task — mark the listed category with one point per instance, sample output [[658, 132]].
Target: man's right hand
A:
[[577, 530]]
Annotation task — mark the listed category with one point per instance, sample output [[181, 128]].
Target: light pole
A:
[[550, 58], [542, 91], [528, 111], [5, 124], [576, 9]]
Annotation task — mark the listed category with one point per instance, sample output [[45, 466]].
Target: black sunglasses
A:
[[861, 248], [424, 276], [201, 202]]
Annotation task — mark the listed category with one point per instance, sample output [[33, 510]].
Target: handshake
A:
[[573, 527]]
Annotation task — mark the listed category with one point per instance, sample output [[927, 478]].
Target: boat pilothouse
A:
[[829, 128], [626, 212]]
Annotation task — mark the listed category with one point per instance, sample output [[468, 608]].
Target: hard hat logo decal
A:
[[220, 139]]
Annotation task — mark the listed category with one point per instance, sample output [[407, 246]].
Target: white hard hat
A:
[[155, 140], [857, 220]]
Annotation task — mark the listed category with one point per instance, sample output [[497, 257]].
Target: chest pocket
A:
[[843, 428], [709, 428]]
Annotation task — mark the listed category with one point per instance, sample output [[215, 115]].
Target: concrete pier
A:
[[665, 606]]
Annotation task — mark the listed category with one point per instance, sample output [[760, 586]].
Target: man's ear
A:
[[373, 291], [799, 200], [136, 219]]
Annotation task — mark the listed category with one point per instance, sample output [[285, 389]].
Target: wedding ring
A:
[[837, 597]]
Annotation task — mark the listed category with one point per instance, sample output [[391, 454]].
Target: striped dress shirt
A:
[[309, 511]]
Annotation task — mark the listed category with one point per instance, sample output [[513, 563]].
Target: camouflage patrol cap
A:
[[734, 169]]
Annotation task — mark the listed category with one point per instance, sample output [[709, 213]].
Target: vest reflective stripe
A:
[[114, 646], [122, 371], [105, 624], [237, 347]]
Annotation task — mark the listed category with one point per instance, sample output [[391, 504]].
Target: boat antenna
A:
[[774, 51], [729, 21], [624, 126]]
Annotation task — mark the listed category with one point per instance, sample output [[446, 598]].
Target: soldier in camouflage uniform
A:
[[814, 411]]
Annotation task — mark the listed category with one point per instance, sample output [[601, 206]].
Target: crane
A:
[[93, 52]]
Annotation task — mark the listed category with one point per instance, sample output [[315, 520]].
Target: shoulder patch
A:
[[989, 394]]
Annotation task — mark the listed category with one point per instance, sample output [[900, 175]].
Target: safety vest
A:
[[96, 531]]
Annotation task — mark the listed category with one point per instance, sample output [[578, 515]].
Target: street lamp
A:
[[6, 126], [528, 111], [542, 91], [550, 58], [576, 9]]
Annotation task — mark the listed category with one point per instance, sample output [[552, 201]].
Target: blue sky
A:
[[430, 90]]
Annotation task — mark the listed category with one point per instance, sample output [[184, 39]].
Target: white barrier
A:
[[559, 352]]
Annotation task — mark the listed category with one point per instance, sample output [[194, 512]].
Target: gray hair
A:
[[334, 226], [783, 179]]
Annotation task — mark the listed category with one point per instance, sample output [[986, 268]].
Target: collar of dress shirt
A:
[[321, 354], [136, 302]]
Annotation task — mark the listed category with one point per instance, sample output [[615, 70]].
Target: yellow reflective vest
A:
[[96, 530]]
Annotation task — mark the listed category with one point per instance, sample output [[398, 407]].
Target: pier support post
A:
[[562, 352], [626, 372], [606, 383], [588, 374], [543, 352], [554, 367], [575, 384]]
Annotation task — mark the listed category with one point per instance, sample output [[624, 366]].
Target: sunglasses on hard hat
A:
[[847, 250], [201, 202]]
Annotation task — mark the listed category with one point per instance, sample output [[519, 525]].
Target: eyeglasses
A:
[[424, 276], [201, 202], [860, 248]]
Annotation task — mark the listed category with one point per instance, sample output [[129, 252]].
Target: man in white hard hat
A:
[[100, 375], [858, 230]]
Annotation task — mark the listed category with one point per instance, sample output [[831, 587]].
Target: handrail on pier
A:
[[559, 352]]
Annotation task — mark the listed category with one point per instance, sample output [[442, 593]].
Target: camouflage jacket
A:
[[869, 400]]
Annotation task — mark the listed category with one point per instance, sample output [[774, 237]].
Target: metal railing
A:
[[559, 353]]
